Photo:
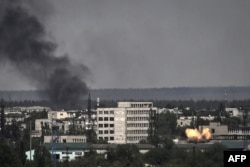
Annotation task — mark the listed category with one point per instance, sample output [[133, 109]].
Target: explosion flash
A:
[[194, 135]]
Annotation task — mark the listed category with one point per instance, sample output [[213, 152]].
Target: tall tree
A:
[[42, 157]]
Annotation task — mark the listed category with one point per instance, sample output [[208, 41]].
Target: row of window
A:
[[136, 138], [106, 132], [79, 140], [70, 152], [65, 152], [106, 138], [238, 131], [75, 140], [128, 112], [141, 105], [137, 119], [137, 125], [138, 112], [106, 112], [105, 125], [137, 131], [128, 119], [105, 118]]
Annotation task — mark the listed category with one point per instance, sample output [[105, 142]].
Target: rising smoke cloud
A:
[[25, 45]]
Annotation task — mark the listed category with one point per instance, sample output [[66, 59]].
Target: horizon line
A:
[[178, 87]]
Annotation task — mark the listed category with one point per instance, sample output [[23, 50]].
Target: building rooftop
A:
[[229, 144], [71, 146], [114, 146]]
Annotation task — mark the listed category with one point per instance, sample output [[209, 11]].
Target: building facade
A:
[[68, 151], [224, 132], [57, 115], [233, 112], [126, 123], [67, 139]]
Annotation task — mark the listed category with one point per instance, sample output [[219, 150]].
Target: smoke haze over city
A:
[[24, 46], [142, 43]]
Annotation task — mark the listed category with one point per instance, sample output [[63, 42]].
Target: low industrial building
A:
[[103, 148], [224, 132], [68, 151]]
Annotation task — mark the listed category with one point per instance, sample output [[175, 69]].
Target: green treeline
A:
[[167, 155]]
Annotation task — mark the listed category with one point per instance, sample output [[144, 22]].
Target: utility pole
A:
[[53, 143], [30, 141], [245, 128], [2, 118], [67, 155]]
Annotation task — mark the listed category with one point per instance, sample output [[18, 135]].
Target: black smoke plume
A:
[[24, 43]]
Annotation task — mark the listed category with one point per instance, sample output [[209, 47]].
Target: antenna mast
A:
[[53, 143]]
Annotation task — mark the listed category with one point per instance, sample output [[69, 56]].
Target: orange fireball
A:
[[206, 133], [195, 135]]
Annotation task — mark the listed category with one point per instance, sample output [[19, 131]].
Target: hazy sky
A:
[[149, 43]]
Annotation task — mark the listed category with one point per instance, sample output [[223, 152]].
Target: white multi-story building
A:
[[127, 123]]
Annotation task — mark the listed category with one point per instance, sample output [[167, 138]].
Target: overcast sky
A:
[[149, 43]]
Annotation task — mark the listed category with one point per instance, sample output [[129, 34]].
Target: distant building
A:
[[126, 123], [184, 121], [42, 122], [57, 115], [176, 111], [233, 112], [18, 117], [67, 139], [224, 132], [68, 151], [208, 118], [63, 119], [104, 148], [28, 109]]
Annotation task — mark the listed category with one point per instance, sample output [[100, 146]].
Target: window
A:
[[65, 157], [106, 132], [65, 152], [106, 118], [111, 118], [111, 112], [100, 125], [100, 132], [100, 118], [78, 153], [100, 112], [111, 132], [106, 112], [111, 138], [106, 125], [111, 125]]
